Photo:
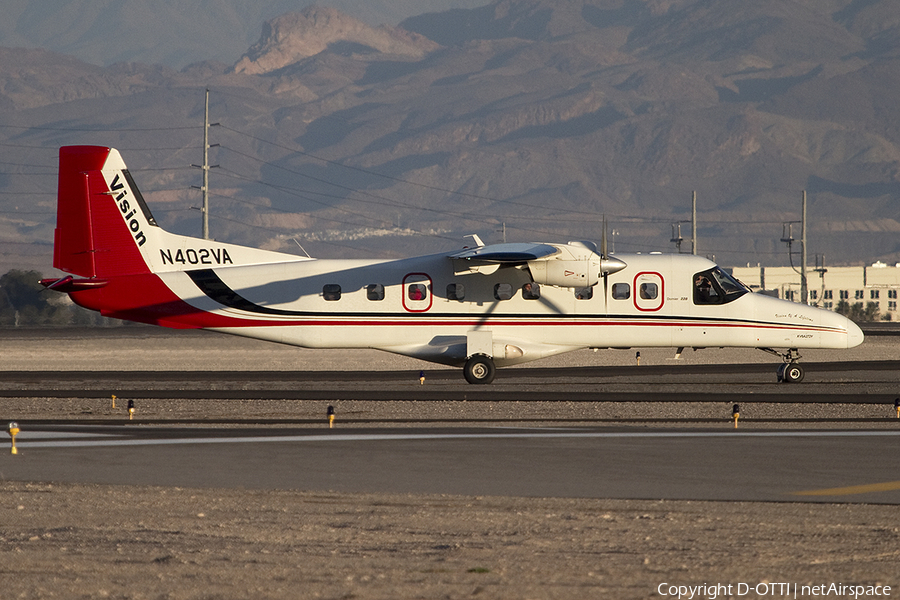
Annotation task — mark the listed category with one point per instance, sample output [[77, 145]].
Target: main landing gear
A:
[[790, 371], [480, 369]]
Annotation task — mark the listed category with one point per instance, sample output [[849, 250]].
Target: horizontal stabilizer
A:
[[69, 284]]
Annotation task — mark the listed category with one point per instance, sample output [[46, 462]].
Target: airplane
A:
[[479, 307]]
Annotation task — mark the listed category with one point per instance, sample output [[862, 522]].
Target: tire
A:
[[793, 373], [479, 369]]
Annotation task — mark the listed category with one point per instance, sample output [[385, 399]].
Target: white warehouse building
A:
[[878, 283]]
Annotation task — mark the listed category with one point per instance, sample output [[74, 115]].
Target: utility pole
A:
[[694, 222], [804, 290], [205, 206], [205, 167]]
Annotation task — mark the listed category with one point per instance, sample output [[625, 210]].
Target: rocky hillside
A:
[[294, 37], [538, 114]]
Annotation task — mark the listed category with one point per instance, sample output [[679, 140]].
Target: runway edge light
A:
[[897, 407], [13, 431], [330, 414], [736, 414]]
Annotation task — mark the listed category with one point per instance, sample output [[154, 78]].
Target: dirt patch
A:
[[88, 541]]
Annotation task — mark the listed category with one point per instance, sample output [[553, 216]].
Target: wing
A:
[[512, 254]]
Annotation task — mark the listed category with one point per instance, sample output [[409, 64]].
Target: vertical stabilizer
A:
[[100, 222], [105, 229]]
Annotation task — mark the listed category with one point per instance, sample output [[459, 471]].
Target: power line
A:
[[100, 129], [397, 179]]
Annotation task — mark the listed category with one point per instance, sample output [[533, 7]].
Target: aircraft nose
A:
[[854, 334]]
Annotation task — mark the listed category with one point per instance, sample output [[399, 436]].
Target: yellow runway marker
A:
[[887, 486]]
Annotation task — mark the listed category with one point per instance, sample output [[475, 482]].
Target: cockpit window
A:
[[715, 286]]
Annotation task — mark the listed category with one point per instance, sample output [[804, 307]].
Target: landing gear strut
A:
[[790, 371], [479, 369]]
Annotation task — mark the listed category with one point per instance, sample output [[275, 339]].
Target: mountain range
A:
[[523, 119], [174, 33]]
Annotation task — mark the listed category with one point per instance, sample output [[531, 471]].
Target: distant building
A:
[[878, 283]]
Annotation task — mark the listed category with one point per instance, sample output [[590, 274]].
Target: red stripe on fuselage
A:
[[146, 299]]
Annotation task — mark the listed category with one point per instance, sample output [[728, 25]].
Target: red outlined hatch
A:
[[649, 291], [417, 290]]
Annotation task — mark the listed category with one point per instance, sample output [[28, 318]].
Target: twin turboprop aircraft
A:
[[478, 308]]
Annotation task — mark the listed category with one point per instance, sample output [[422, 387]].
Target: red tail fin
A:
[[92, 239]]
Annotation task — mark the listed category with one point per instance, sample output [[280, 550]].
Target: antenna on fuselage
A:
[[302, 248]]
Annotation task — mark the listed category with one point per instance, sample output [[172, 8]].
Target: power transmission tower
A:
[[205, 167], [787, 237], [694, 222], [804, 289]]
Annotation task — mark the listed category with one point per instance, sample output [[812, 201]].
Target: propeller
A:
[[604, 254], [607, 264]]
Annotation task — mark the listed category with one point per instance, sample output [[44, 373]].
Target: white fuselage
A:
[[374, 306]]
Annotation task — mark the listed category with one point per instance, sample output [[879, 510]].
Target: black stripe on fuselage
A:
[[211, 285], [216, 289]]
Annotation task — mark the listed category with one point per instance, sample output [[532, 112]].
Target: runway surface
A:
[[853, 382], [811, 466]]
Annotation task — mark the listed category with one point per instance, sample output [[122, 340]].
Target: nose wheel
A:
[[479, 369], [790, 373]]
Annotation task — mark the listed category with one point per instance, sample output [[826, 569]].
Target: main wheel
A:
[[479, 369]]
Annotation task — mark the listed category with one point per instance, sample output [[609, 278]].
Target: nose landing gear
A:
[[790, 371]]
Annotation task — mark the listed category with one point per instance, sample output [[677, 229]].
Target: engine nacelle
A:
[[566, 273]]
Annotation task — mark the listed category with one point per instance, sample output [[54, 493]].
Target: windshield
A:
[[715, 286]]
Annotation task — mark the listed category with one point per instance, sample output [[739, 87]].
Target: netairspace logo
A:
[[711, 591]]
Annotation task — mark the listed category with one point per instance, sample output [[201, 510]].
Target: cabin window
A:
[[813, 295], [585, 293], [331, 292], [874, 294], [859, 294], [621, 291], [829, 295], [715, 286], [417, 291], [649, 291], [456, 291], [845, 295], [531, 291], [375, 291], [503, 291], [892, 294]]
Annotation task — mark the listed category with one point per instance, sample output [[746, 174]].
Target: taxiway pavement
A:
[[575, 462]]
